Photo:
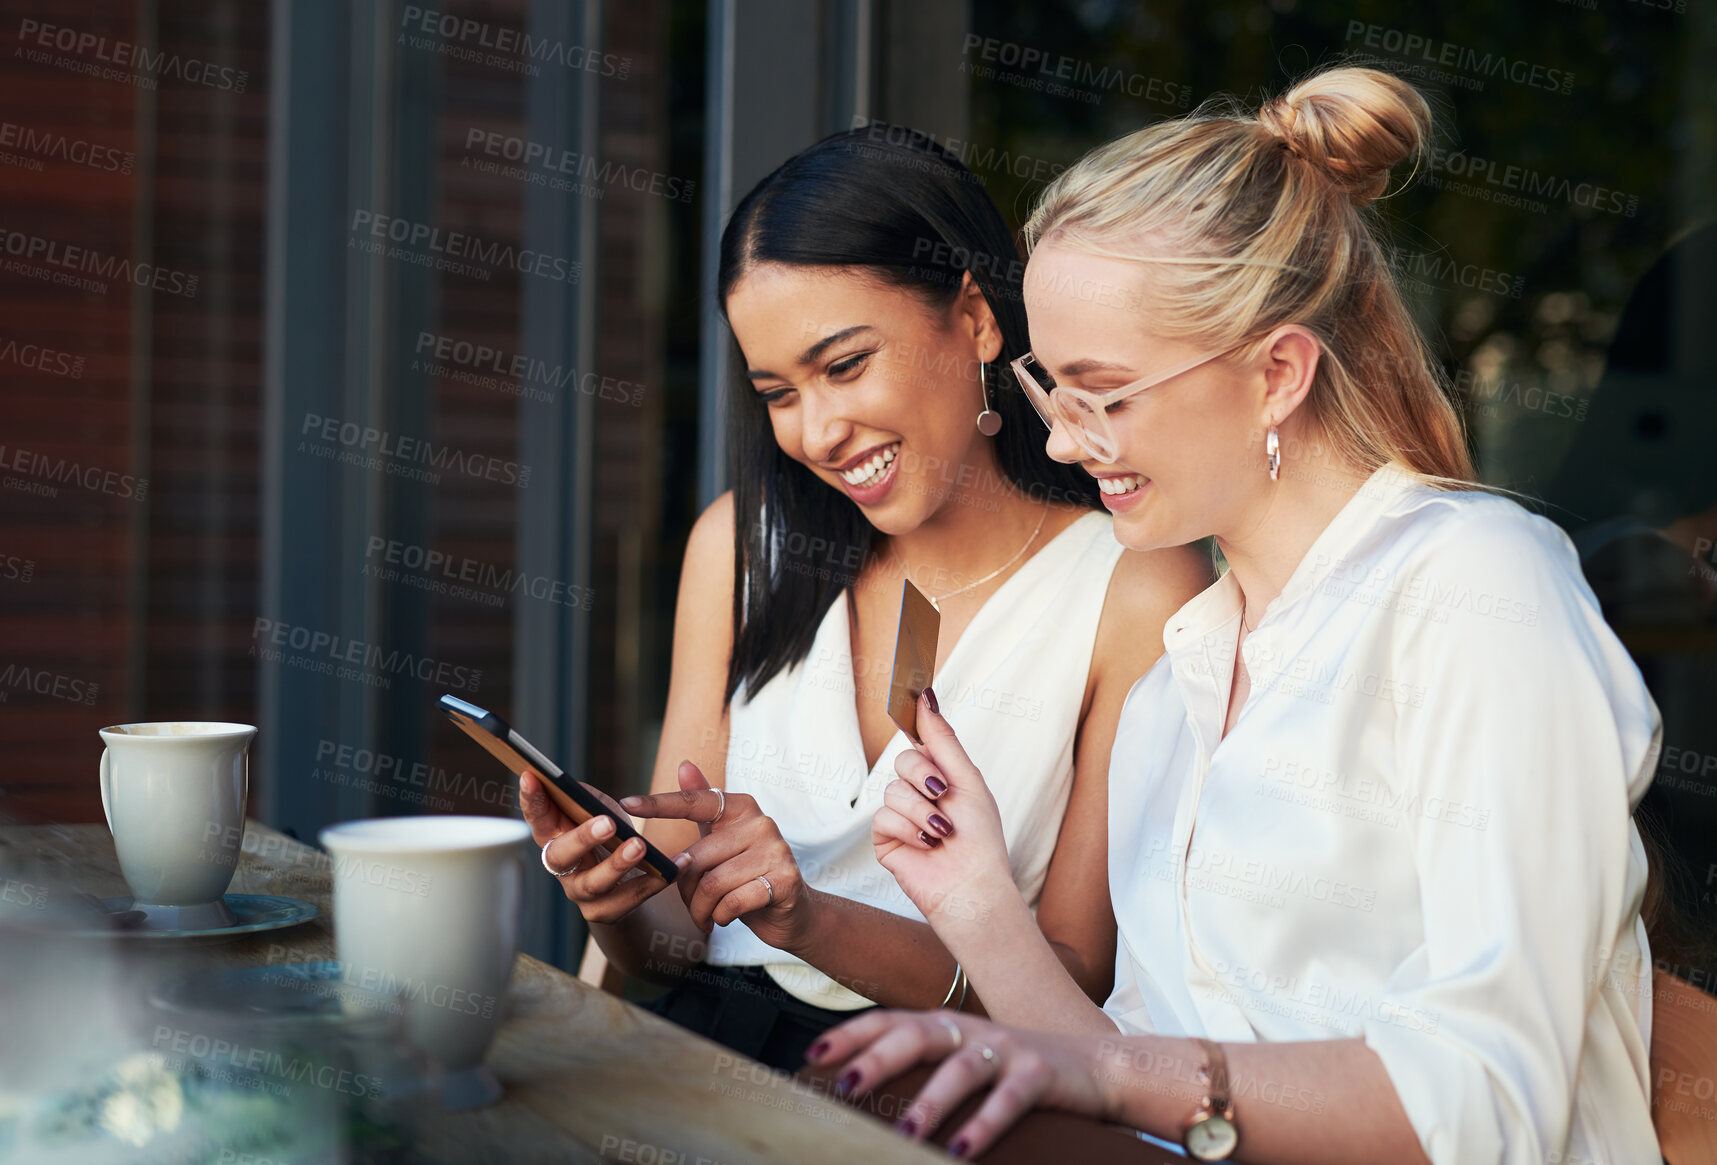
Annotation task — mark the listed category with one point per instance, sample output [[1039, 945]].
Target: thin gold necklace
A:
[[936, 600]]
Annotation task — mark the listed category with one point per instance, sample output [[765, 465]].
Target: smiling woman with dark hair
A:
[[875, 295]]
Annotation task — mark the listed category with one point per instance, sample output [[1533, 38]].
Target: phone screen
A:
[[576, 799]]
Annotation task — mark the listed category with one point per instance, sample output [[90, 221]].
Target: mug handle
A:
[[106, 788]]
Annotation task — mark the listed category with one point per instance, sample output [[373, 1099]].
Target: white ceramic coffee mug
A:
[[174, 794], [427, 909]]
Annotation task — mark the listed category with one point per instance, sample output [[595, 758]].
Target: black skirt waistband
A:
[[746, 1010]]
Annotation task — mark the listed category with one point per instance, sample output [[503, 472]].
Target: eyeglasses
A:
[[1086, 413]]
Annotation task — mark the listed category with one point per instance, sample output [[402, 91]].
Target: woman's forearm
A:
[[1350, 1114], [849, 941], [888, 959], [1024, 980], [657, 942]]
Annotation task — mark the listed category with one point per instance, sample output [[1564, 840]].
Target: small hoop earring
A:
[[1273, 454], [989, 421]]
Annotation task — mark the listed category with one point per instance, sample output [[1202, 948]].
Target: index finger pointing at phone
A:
[[700, 805]]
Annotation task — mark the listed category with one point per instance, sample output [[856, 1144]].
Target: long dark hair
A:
[[891, 201]]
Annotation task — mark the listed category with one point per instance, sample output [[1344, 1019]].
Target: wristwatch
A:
[[1209, 1133]]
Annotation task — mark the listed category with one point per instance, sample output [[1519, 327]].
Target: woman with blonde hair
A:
[[1369, 844]]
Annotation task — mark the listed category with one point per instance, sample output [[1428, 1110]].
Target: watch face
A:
[[1211, 1139]]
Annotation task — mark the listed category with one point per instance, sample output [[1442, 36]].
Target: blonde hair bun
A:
[[1353, 124], [1241, 222]]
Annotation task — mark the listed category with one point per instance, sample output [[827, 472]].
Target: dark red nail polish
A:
[[932, 842], [845, 1084], [959, 1146], [941, 825], [907, 1125], [930, 698], [816, 1051], [936, 786]]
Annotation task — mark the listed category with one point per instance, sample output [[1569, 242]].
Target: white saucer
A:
[[251, 913]]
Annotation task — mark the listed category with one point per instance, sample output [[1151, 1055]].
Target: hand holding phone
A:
[[587, 811], [606, 887]]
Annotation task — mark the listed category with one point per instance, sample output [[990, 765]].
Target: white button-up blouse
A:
[[1418, 831]]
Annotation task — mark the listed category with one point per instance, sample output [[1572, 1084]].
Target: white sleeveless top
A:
[[1012, 687]]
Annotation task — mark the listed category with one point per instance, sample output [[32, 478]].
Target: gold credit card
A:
[[914, 657]]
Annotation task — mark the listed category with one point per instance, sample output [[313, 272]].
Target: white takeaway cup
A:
[[174, 793], [427, 909]]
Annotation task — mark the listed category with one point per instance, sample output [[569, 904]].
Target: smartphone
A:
[[576, 799]]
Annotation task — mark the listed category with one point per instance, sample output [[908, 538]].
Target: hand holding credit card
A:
[[914, 657]]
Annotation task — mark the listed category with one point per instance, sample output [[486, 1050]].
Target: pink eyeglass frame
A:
[[1059, 402]]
